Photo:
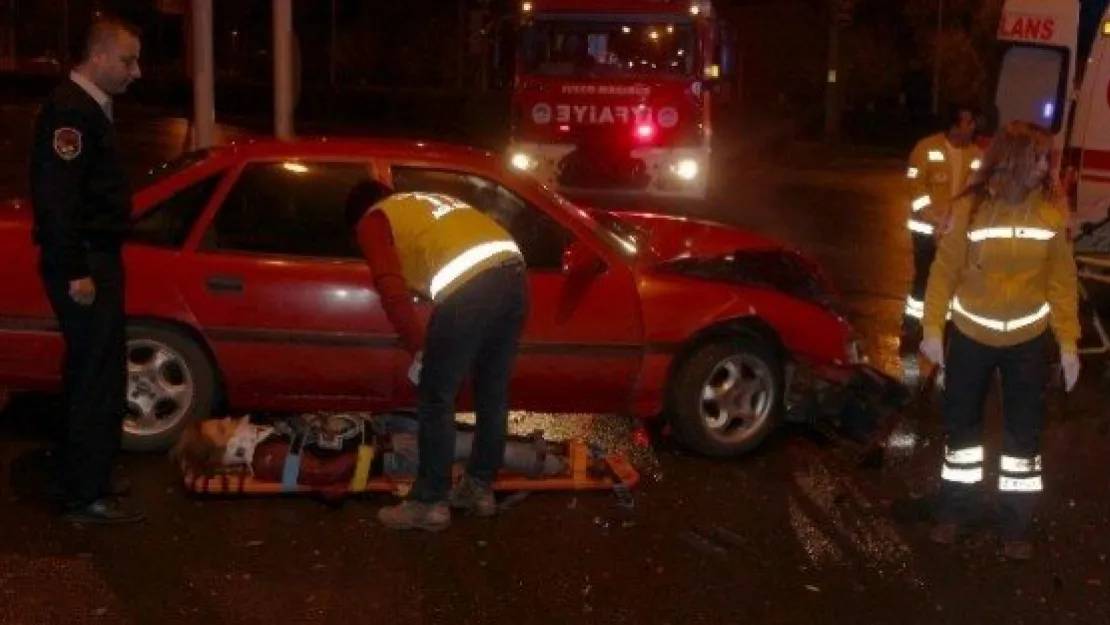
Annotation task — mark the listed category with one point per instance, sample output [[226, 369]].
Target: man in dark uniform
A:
[[82, 202]]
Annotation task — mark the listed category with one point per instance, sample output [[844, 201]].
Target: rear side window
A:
[[169, 223]]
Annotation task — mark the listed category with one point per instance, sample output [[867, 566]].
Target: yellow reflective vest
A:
[[442, 242], [937, 172], [1006, 275]]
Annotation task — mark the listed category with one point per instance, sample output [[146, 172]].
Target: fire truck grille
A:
[[582, 169]]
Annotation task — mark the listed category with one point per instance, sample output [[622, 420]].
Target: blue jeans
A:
[[474, 332]]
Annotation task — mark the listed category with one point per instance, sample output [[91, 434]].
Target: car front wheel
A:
[[727, 396], [170, 383]]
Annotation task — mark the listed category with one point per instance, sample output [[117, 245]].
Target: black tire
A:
[[201, 375], [692, 429]]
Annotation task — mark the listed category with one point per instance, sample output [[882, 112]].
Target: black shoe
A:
[[119, 487], [105, 511]]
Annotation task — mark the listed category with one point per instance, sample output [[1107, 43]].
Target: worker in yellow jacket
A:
[[940, 167], [1006, 277]]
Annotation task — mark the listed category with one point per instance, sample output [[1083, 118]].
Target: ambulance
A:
[[1042, 79], [615, 96]]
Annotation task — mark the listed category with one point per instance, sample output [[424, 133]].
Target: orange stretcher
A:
[[585, 470]]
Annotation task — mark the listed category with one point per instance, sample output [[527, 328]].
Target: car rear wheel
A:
[[727, 396], [170, 383]]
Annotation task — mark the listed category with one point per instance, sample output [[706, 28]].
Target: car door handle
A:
[[224, 284]]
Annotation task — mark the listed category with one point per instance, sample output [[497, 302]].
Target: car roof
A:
[[370, 147]]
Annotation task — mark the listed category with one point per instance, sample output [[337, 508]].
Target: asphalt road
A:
[[797, 533]]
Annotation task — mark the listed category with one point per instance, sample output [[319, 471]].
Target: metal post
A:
[[331, 55], [832, 92], [64, 52], [283, 69], [204, 87], [936, 57]]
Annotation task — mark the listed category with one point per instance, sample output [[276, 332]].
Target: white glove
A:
[[933, 350], [1070, 364], [414, 369]]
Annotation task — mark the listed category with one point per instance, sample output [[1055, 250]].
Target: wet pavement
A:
[[796, 533]]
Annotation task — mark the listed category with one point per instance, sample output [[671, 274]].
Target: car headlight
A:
[[686, 169], [523, 161]]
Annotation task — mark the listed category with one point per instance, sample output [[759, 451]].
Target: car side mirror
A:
[[581, 261]]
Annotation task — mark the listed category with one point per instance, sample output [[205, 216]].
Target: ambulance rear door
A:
[[1037, 63]]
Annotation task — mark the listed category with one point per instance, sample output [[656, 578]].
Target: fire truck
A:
[[615, 96]]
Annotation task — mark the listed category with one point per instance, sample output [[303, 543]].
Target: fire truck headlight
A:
[[522, 161], [686, 169]]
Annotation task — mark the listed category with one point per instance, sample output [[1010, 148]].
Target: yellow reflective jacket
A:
[[1007, 275], [442, 242], [937, 172]]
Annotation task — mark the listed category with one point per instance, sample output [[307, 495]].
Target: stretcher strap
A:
[[362, 465], [291, 470]]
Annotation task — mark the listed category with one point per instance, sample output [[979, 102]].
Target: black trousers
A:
[[1024, 371], [924, 251], [94, 377]]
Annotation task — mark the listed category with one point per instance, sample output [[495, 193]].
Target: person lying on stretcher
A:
[[326, 449]]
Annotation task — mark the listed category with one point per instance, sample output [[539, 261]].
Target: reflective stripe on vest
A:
[[1002, 325], [442, 242], [914, 307], [936, 156], [1035, 234], [469, 259], [976, 164], [921, 203], [912, 173], [919, 227]]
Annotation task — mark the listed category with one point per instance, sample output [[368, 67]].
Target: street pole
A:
[[65, 33], [204, 88], [331, 56], [936, 57], [461, 59], [832, 92], [283, 69]]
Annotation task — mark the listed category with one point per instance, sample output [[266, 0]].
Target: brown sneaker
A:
[[475, 496], [944, 533], [408, 515], [1018, 549]]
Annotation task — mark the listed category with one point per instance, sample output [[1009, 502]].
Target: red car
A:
[[245, 291]]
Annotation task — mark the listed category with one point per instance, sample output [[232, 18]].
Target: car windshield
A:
[[176, 164], [625, 238], [609, 47]]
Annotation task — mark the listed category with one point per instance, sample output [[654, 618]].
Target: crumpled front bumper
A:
[[856, 401]]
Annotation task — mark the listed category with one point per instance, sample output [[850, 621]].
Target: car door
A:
[[282, 293], [582, 344]]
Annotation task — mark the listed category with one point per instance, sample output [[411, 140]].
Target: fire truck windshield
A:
[[609, 47]]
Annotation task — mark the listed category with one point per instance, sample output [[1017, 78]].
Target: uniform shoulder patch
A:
[[67, 143]]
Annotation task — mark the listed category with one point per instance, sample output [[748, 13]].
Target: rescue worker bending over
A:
[[473, 272], [1006, 275], [940, 168]]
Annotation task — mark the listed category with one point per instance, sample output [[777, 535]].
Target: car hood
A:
[[713, 251], [677, 237]]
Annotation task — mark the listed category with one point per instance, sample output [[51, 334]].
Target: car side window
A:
[[542, 240], [169, 223], [289, 209]]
